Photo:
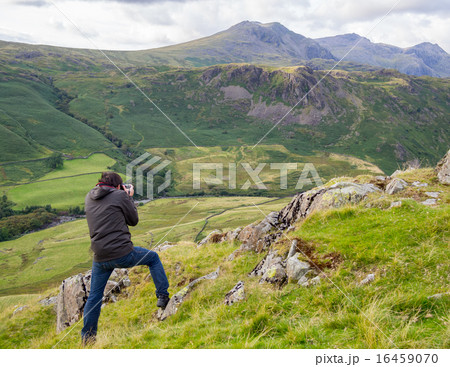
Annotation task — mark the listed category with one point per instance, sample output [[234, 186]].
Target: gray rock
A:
[[236, 294], [443, 169], [368, 279], [396, 185], [395, 204], [269, 261], [339, 194], [293, 249], [380, 178], [255, 237], [419, 184], [310, 274], [311, 282], [295, 268], [432, 194], [179, 297], [19, 309], [163, 246], [429, 202], [74, 291], [48, 301], [439, 295], [290, 229], [232, 236], [276, 274]]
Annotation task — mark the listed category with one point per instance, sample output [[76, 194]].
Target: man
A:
[[109, 211]]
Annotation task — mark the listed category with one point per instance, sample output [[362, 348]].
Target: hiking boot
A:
[[163, 301], [88, 340]]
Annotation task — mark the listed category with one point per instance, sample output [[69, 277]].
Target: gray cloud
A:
[[36, 3]]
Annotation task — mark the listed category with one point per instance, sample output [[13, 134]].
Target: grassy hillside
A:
[[75, 102], [61, 188], [34, 126], [35, 261], [405, 247]]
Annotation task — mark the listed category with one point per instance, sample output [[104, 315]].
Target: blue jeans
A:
[[101, 272]]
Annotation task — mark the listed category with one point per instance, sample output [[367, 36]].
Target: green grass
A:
[[33, 262], [405, 247], [57, 188]]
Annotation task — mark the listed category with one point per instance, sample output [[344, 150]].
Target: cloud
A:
[[36, 3], [144, 24]]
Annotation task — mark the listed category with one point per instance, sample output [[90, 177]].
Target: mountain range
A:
[[74, 101]]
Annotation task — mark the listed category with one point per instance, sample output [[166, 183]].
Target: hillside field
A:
[[404, 247]]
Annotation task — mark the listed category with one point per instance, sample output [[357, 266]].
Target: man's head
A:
[[111, 179]]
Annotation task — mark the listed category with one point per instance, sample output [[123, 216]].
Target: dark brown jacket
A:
[[109, 212]]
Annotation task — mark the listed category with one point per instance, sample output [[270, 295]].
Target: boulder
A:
[[74, 292], [443, 169], [419, 184], [432, 194], [270, 260], [334, 196], [343, 193], [396, 185], [48, 301], [236, 294], [213, 237], [396, 204], [276, 274], [429, 202], [295, 268], [179, 297]]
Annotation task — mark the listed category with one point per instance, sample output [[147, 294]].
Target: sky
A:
[[145, 24]]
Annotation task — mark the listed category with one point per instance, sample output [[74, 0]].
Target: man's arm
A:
[[130, 211]]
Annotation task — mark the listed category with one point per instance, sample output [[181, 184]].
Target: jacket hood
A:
[[99, 192]]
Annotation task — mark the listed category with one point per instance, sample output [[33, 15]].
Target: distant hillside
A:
[[422, 59]]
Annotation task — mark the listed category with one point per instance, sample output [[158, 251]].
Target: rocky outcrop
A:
[[334, 196], [443, 169], [396, 185], [213, 237], [74, 292], [178, 298], [236, 294]]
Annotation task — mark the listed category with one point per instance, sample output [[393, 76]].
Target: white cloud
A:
[[142, 24]]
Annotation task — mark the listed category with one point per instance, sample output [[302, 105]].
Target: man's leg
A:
[[91, 313], [143, 256]]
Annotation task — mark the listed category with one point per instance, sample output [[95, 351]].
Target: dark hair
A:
[[111, 178]]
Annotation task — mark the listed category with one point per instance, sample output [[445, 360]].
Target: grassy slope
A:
[[27, 110], [61, 190], [37, 260], [404, 247]]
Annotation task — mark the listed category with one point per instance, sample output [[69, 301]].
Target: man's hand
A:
[[130, 190]]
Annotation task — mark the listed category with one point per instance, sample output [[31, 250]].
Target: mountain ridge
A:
[[273, 44]]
